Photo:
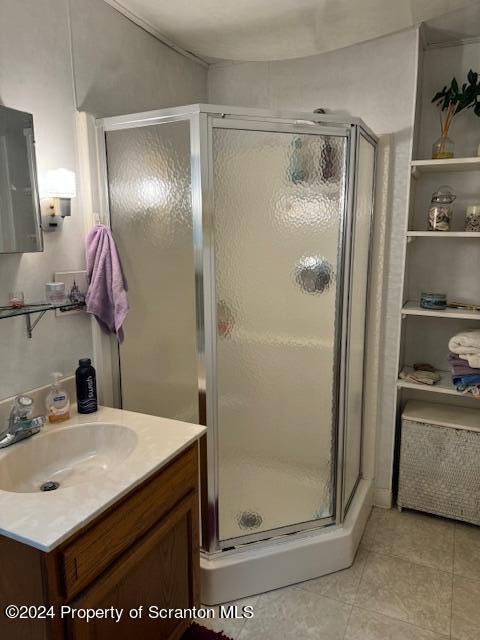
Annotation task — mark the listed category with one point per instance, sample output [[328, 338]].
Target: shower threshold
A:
[[285, 560]]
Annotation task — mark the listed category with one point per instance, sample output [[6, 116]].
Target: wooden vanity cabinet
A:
[[143, 551]]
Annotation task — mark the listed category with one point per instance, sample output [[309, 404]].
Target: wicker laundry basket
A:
[[440, 460]]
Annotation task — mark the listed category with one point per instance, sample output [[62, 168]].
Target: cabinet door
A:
[[162, 570]]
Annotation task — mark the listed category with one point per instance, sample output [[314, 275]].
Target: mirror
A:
[[20, 230]]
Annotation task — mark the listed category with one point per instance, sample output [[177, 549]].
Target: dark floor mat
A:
[[197, 632]]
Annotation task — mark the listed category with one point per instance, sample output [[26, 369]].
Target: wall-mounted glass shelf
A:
[[41, 308]]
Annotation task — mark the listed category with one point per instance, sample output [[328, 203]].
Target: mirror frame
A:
[[32, 163]]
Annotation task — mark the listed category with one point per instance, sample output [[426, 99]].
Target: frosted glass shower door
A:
[[278, 211], [149, 180]]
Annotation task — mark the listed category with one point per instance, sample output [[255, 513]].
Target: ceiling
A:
[[280, 29]]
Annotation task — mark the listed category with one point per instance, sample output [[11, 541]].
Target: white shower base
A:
[[279, 493], [285, 560]]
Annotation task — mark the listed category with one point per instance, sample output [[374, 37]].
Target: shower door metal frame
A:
[[202, 119], [211, 542], [360, 132]]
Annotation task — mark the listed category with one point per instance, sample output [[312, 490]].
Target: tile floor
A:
[[415, 577]]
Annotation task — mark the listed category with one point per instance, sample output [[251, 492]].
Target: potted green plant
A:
[[451, 101]]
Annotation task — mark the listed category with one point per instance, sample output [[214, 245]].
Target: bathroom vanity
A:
[[132, 541]]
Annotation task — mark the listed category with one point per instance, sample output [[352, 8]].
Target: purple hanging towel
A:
[[106, 296]]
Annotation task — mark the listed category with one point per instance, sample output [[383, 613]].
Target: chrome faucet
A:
[[20, 423]]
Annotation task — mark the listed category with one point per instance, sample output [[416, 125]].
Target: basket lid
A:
[[444, 415]]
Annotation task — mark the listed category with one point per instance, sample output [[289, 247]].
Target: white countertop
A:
[[44, 520]]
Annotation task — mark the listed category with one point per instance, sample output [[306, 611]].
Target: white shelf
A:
[[451, 164], [414, 309], [444, 385], [443, 234]]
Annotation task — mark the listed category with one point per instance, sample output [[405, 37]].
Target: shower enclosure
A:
[[245, 239]]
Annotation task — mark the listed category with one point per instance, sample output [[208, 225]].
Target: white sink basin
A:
[[67, 456]]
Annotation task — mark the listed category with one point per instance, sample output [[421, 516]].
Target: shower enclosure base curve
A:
[[286, 560]]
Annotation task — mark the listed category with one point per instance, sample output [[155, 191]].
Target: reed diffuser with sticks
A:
[[451, 101]]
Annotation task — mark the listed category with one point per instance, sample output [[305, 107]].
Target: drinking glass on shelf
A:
[[16, 299]]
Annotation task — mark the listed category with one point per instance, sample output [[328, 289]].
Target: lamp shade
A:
[[59, 183]]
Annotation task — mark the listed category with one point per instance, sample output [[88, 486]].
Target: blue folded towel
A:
[[466, 381]]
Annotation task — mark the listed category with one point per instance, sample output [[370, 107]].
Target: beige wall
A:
[[119, 68], [372, 80]]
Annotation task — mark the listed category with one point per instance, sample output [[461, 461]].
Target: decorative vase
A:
[[440, 211], [443, 148]]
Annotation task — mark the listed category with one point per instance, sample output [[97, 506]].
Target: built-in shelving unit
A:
[[41, 309], [446, 262], [421, 266], [414, 309], [442, 166]]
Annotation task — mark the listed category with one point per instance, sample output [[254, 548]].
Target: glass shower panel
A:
[[151, 216], [277, 217], [358, 301]]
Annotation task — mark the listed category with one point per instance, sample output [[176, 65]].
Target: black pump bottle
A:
[[86, 382]]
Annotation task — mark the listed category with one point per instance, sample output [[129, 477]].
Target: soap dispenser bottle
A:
[[57, 401], [85, 378]]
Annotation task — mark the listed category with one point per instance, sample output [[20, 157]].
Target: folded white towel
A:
[[467, 346], [473, 359]]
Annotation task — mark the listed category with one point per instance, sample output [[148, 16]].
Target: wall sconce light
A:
[[58, 189]]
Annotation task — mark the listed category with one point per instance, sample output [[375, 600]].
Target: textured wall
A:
[[118, 68], [377, 82], [36, 76]]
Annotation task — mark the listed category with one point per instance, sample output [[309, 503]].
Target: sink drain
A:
[[49, 486]]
